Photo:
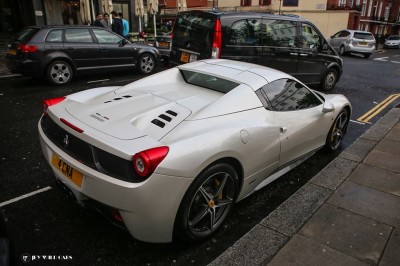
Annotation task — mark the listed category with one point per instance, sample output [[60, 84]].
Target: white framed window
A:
[[364, 8], [387, 10], [380, 10], [366, 27], [370, 8], [341, 2]]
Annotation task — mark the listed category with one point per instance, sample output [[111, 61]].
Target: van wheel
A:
[[366, 55], [342, 51], [207, 202], [59, 72], [329, 79], [146, 64]]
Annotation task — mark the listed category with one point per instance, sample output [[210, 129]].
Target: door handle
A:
[[296, 54], [283, 130], [309, 54]]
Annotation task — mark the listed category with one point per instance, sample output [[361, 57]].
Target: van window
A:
[[289, 95], [279, 33], [246, 32], [194, 32], [208, 81], [309, 37]]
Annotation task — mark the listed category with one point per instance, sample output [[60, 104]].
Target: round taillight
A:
[[145, 162]]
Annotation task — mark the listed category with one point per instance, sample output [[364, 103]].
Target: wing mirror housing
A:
[[122, 42], [328, 107]]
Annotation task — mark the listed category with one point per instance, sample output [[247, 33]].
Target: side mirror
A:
[[328, 107], [122, 42]]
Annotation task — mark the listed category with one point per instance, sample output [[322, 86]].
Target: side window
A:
[[78, 35], [54, 36], [245, 32], [289, 95], [104, 36], [337, 34], [280, 33], [309, 38], [344, 34]]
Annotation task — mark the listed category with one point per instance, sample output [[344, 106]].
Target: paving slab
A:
[[390, 118], [358, 150], [374, 204], [303, 251], [394, 134], [348, 233], [389, 146], [257, 247], [289, 217], [376, 132], [376, 178], [383, 160], [392, 251], [334, 173]]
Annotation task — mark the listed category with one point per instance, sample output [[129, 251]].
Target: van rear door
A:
[[192, 37]]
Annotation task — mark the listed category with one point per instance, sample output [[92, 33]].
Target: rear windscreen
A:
[[24, 35], [208, 81], [364, 36], [194, 32]]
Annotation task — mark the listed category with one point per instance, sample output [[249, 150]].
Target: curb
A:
[[265, 240]]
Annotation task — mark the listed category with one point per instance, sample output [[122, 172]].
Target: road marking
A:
[[377, 109], [361, 123], [384, 59], [100, 80], [24, 196], [396, 62]]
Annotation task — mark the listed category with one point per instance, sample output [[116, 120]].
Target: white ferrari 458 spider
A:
[[168, 155]]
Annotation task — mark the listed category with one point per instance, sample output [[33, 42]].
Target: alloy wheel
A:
[[338, 130], [146, 64], [60, 73]]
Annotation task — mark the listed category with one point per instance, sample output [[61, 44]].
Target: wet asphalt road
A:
[[50, 223]]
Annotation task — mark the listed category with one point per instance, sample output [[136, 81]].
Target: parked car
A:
[[163, 44], [60, 52], [393, 41], [353, 41], [168, 155], [287, 43]]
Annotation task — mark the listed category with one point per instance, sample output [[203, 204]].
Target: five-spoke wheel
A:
[[207, 202], [146, 64], [337, 131], [59, 72]]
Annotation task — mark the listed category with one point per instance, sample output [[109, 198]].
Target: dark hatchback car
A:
[[60, 52], [287, 43]]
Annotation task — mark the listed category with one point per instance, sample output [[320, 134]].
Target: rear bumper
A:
[[360, 49], [26, 67], [148, 209]]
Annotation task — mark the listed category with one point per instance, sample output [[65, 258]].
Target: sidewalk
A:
[[348, 214]]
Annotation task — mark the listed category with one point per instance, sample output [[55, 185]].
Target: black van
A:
[[285, 42]]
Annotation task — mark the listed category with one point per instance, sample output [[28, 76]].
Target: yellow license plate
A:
[[67, 170], [363, 43], [12, 51], [185, 57], [163, 44]]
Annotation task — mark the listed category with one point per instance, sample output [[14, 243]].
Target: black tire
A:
[[207, 203], [366, 56], [329, 79], [337, 131], [59, 72], [146, 64], [342, 50]]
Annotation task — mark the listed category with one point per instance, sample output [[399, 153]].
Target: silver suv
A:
[[353, 41]]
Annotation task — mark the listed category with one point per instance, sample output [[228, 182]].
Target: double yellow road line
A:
[[377, 109]]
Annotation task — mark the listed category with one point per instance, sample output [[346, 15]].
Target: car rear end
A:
[[163, 45], [23, 54], [196, 35], [361, 42]]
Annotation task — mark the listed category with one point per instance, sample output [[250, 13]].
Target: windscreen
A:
[[24, 35], [394, 38], [194, 31], [363, 36], [208, 81]]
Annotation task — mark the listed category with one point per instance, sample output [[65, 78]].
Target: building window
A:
[[265, 2], [387, 9], [364, 8], [290, 2], [245, 2], [342, 3]]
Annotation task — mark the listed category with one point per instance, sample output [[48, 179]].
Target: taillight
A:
[[26, 48], [46, 103], [145, 162], [77, 129], [217, 41]]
